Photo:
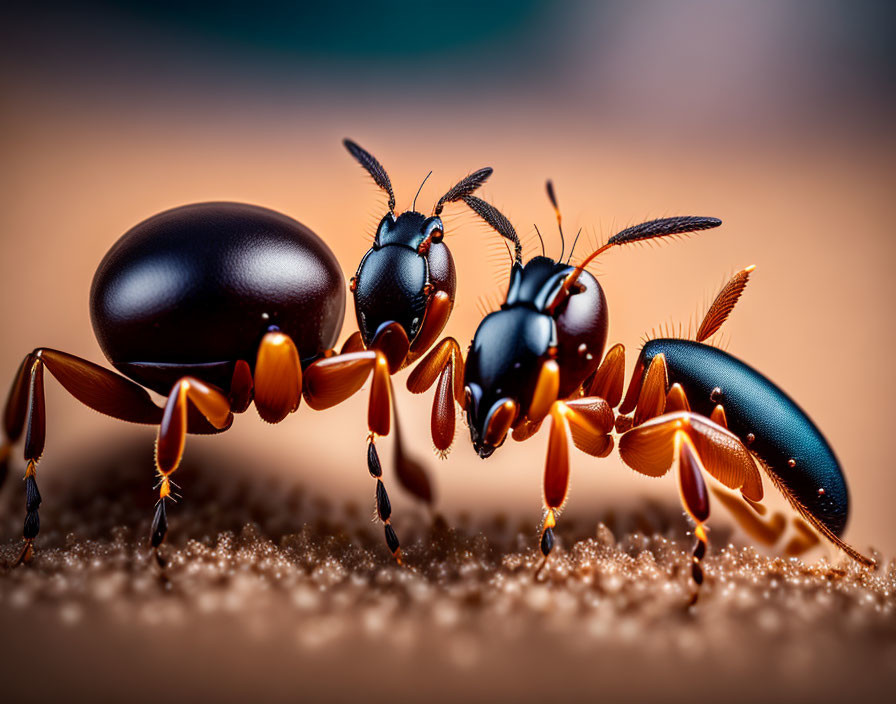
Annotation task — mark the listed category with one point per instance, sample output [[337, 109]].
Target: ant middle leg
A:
[[215, 407]]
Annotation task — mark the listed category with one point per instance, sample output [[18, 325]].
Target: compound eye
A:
[[434, 230]]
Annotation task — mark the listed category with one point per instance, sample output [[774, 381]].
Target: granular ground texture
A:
[[271, 595]]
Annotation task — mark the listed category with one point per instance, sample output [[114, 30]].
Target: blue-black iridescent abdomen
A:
[[782, 432]]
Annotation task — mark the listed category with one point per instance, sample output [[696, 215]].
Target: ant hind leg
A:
[[25, 412]]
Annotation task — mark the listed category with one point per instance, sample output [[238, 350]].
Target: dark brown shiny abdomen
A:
[[581, 333], [194, 289]]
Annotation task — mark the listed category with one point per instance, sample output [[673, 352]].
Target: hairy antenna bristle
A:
[[664, 227], [464, 187], [373, 167], [495, 218]]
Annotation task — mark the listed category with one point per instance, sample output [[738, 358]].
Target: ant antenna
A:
[[553, 198], [569, 258], [664, 227], [374, 168], [539, 239], [414, 204], [510, 254]]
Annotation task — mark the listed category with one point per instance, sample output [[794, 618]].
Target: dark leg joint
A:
[[159, 525], [392, 539], [32, 525], [32, 519], [373, 461], [383, 505], [700, 550], [32, 495], [547, 541], [697, 573], [157, 532]]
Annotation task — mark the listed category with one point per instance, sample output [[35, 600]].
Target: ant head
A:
[[410, 229], [501, 372]]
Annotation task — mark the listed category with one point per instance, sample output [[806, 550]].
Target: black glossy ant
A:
[[693, 406], [217, 305], [540, 355], [404, 293]]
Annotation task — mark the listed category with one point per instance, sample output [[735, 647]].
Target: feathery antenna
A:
[[374, 168], [653, 229], [462, 188], [496, 220]]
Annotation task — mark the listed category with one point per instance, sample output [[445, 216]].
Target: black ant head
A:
[[410, 229], [501, 371], [394, 279], [408, 260]]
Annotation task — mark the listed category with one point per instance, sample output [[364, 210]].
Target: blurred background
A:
[[775, 117]]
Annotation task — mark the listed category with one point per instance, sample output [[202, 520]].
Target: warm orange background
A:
[[802, 181]]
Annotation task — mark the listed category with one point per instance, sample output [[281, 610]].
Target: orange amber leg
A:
[[693, 444], [610, 377], [392, 341], [334, 379], [589, 420], [767, 531], [278, 377], [695, 499], [556, 475], [94, 386], [214, 406], [444, 363], [242, 387], [652, 399]]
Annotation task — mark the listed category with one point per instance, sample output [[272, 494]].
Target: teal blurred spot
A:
[[401, 29]]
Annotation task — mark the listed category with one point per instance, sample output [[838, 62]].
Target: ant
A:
[[219, 305], [213, 305], [403, 292], [538, 357]]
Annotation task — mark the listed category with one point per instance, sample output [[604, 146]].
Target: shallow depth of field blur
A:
[[775, 117]]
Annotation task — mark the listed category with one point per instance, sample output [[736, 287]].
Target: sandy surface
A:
[[274, 594]]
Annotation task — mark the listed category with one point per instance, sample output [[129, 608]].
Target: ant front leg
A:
[[276, 390], [94, 386], [445, 363], [589, 420], [332, 380], [556, 477]]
